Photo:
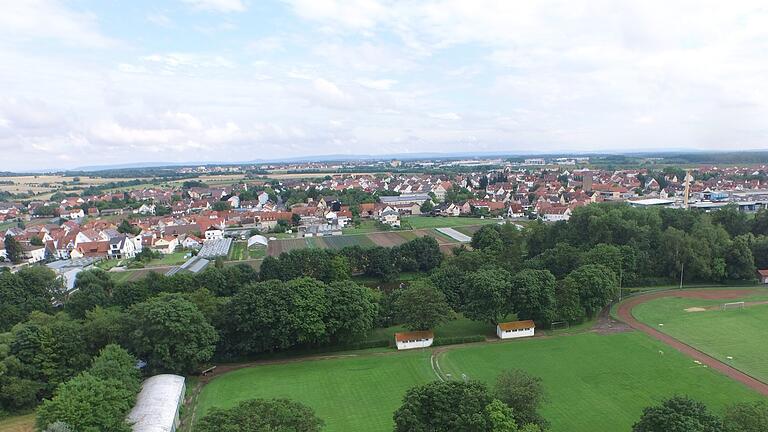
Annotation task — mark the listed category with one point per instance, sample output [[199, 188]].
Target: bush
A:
[[457, 340]]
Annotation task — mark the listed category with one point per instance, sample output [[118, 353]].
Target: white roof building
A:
[[157, 406]]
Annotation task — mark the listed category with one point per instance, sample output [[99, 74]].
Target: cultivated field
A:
[[736, 333], [594, 381], [47, 184]]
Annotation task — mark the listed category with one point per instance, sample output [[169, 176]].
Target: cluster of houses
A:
[[424, 339], [166, 218]]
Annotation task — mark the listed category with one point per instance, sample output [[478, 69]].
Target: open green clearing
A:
[[736, 333], [349, 393], [175, 258], [598, 382], [419, 222], [594, 382]]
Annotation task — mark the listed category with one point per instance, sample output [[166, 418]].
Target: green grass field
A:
[[350, 394], [419, 222], [736, 333], [598, 382], [594, 382], [175, 258]]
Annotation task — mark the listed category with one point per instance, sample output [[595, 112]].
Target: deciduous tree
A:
[[261, 415], [678, 414]]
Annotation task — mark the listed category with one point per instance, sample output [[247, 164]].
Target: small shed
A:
[[762, 276], [515, 329], [157, 405], [415, 339]]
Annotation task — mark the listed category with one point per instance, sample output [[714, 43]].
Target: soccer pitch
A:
[[594, 382], [736, 333]]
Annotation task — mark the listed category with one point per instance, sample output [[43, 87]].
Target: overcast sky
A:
[[91, 82]]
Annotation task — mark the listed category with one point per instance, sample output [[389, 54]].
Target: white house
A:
[[554, 214], [33, 253], [234, 201], [415, 339], [75, 214], [390, 217], [515, 329], [214, 233], [122, 247], [145, 209]]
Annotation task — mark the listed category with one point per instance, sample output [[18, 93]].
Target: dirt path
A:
[[624, 312]]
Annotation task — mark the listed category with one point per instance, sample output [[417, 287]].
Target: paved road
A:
[[624, 313]]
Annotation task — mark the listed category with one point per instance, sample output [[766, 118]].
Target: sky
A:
[[102, 82]]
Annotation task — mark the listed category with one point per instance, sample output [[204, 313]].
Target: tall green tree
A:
[[739, 260], [444, 406], [93, 288], [488, 295], [524, 394], [351, 310], [276, 315], [170, 334], [421, 306], [678, 414], [261, 415], [13, 251], [88, 404], [746, 417], [597, 287], [28, 290], [533, 295]]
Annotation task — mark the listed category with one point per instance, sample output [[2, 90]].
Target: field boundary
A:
[[624, 313]]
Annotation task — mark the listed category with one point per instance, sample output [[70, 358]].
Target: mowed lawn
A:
[[736, 333], [419, 222], [348, 393], [594, 382], [598, 382]]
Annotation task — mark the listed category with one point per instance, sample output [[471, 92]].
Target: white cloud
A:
[[159, 19], [380, 84], [217, 5], [50, 19], [445, 116], [175, 61]]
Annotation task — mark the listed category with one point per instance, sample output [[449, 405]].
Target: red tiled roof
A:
[[414, 335], [516, 325]]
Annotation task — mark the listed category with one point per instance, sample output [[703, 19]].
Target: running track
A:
[[624, 312]]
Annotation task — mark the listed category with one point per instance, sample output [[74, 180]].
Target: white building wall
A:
[[424, 343], [513, 334]]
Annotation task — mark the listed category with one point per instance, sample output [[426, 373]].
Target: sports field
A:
[[349, 393], [598, 382], [735, 333], [594, 382]]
